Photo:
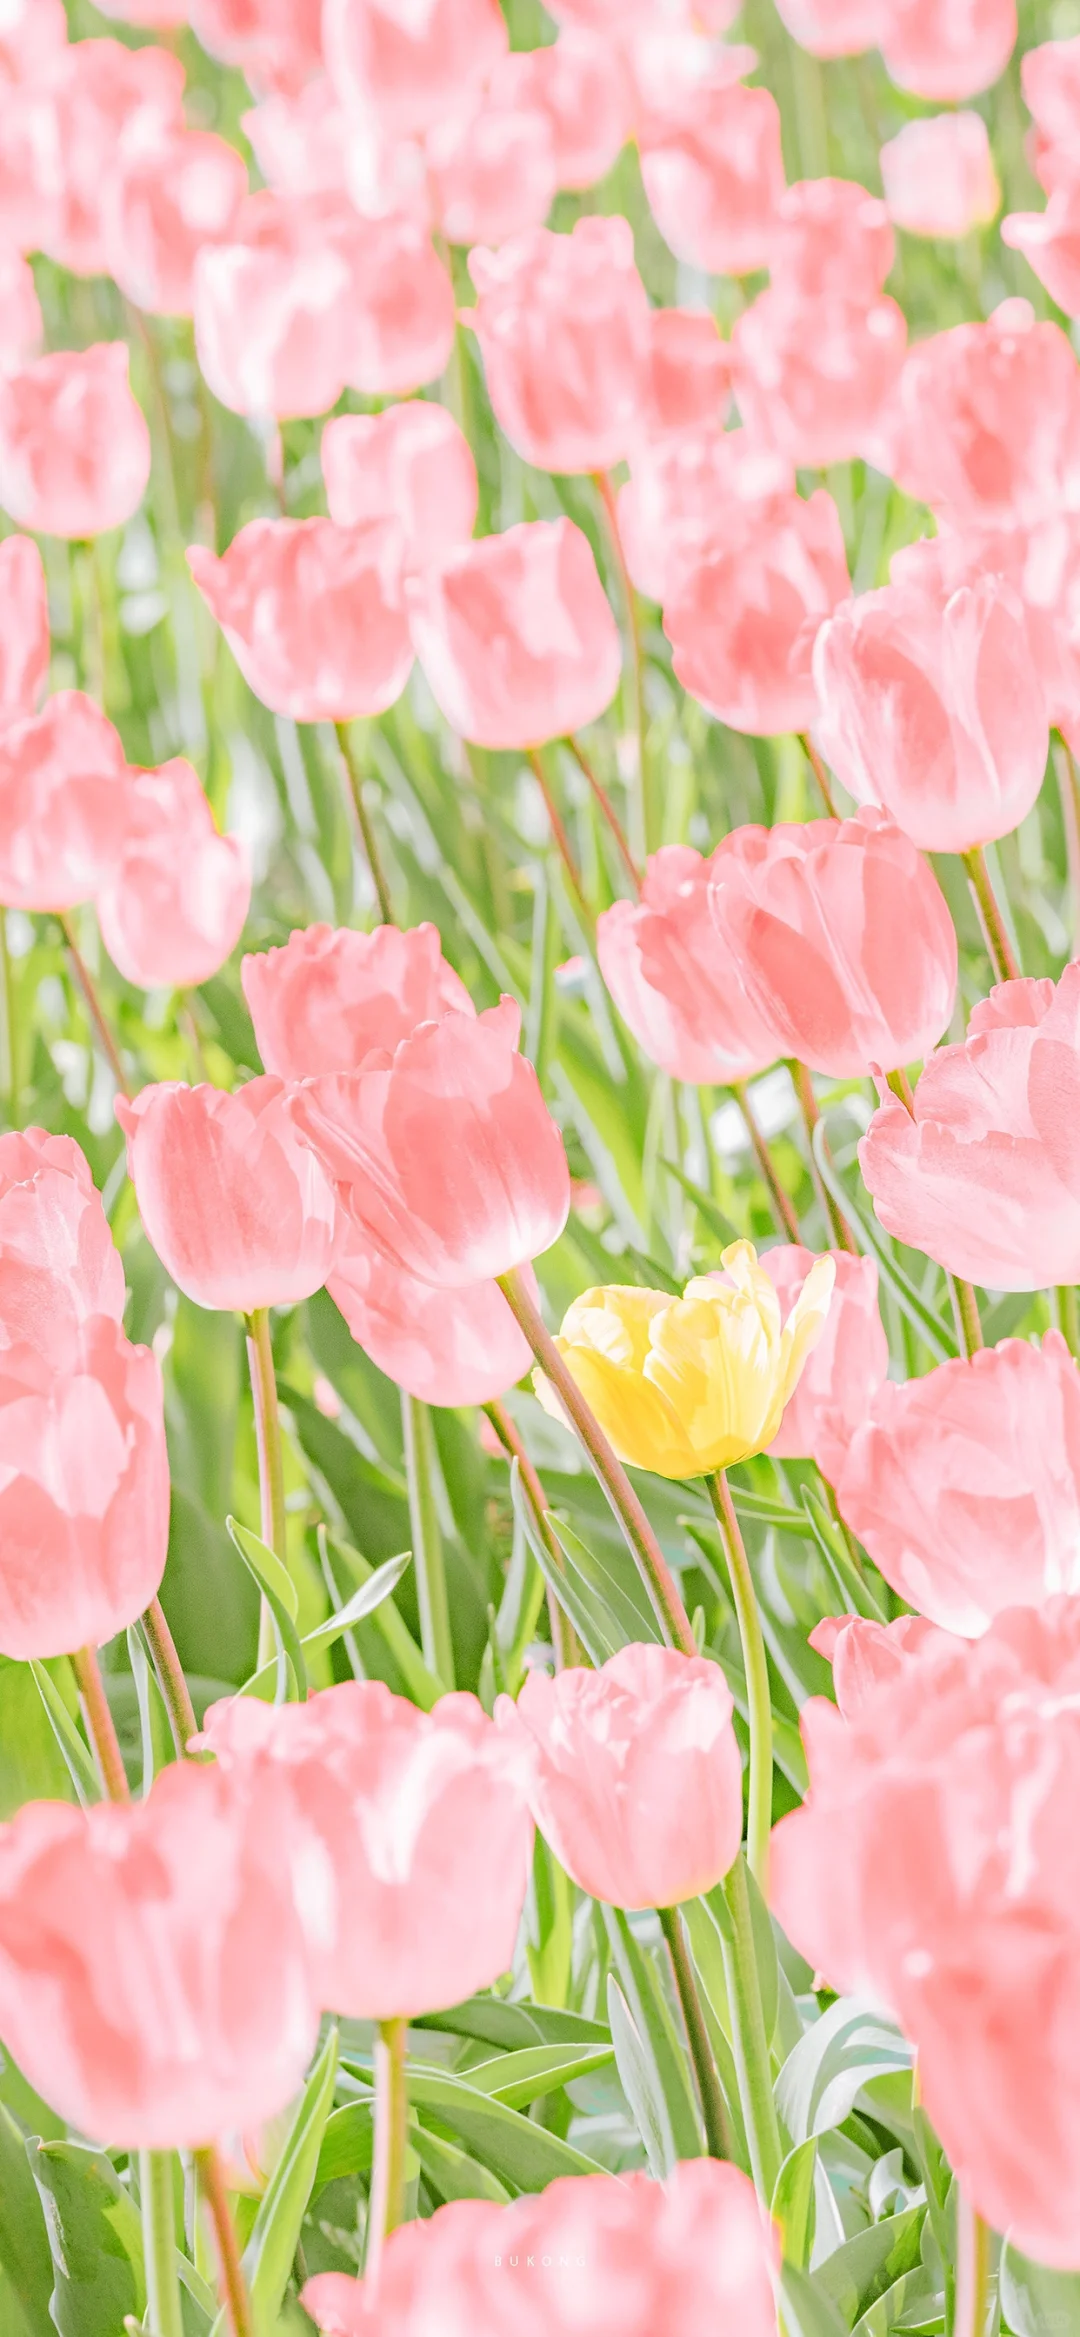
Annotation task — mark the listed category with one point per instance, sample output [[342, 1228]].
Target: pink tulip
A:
[[59, 1265], [491, 172], [171, 193], [987, 424], [84, 1491], [95, 93], [32, 34], [31, 164], [840, 1381], [402, 316], [1039, 566], [984, 1176], [634, 1774], [939, 176], [24, 629], [866, 1657], [1051, 81], [22, 329], [812, 376], [65, 804], [272, 311], [1050, 242], [416, 1825], [156, 15], [932, 709], [842, 938], [174, 908], [581, 84], [946, 54], [516, 637], [934, 1869], [714, 176], [742, 625], [277, 42], [412, 68], [834, 28], [563, 322], [236, 1207], [329, 999], [963, 1485], [300, 141], [451, 1347], [444, 1152], [313, 614], [676, 982], [74, 446], [831, 241], [601, 2255], [153, 1976], [689, 371], [410, 463], [696, 493]]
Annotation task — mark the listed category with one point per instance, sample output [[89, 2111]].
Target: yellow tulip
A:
[[684, 1386]]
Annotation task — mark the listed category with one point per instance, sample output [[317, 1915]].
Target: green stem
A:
[[170, 1674], [783, 1207], [820, 773], [965, 1308], [1066, 1314], [843, 1238], [428, 1567], [386, 2204], [232, 2285], [644, 838], [271, 1462], [95, 1009], [164, 2314], [559, 835], [749, 2043], [363, 817], [972, 2272], [995, 931], [607, 811], [564, 1638], [641, 1540], [100, 1726], [718, 2134], [756, 1668]]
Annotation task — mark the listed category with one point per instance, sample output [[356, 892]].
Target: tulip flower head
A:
[[601, 2255], [675, 981], [59, 1265], [635, 1777], [563, 322], [742, 620], [332, 996], [848, 1366], [154, 1980], [24, 629], [410, 1838], [939, 176], [313, 614], [686, 1386], [174, 908], [74, 445], [449, 1347]]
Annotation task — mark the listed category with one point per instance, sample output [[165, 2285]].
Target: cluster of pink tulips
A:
[[539, 660]]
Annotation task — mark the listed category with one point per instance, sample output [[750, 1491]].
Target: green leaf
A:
[[451, 2173], [521, 2078], [860, 2272], [363, 1602], [719, 1226], [1037, 2302], [613, 1577], [24, 2242], [804, 2311], [268, 2256], [596, 1626], [94, 2236], [513, 2026], [549, 1925], [793, 2203], [856, 1593], [272, 1578], [347, 2144], [516, 2149], [76, 1757], [821, 2079], [640, 2084], [911, 2302], [663, 2083], [32, 1766], [932, 1331], [422, 1685]]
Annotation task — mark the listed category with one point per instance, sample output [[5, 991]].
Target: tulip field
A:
[[539, 1168]]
